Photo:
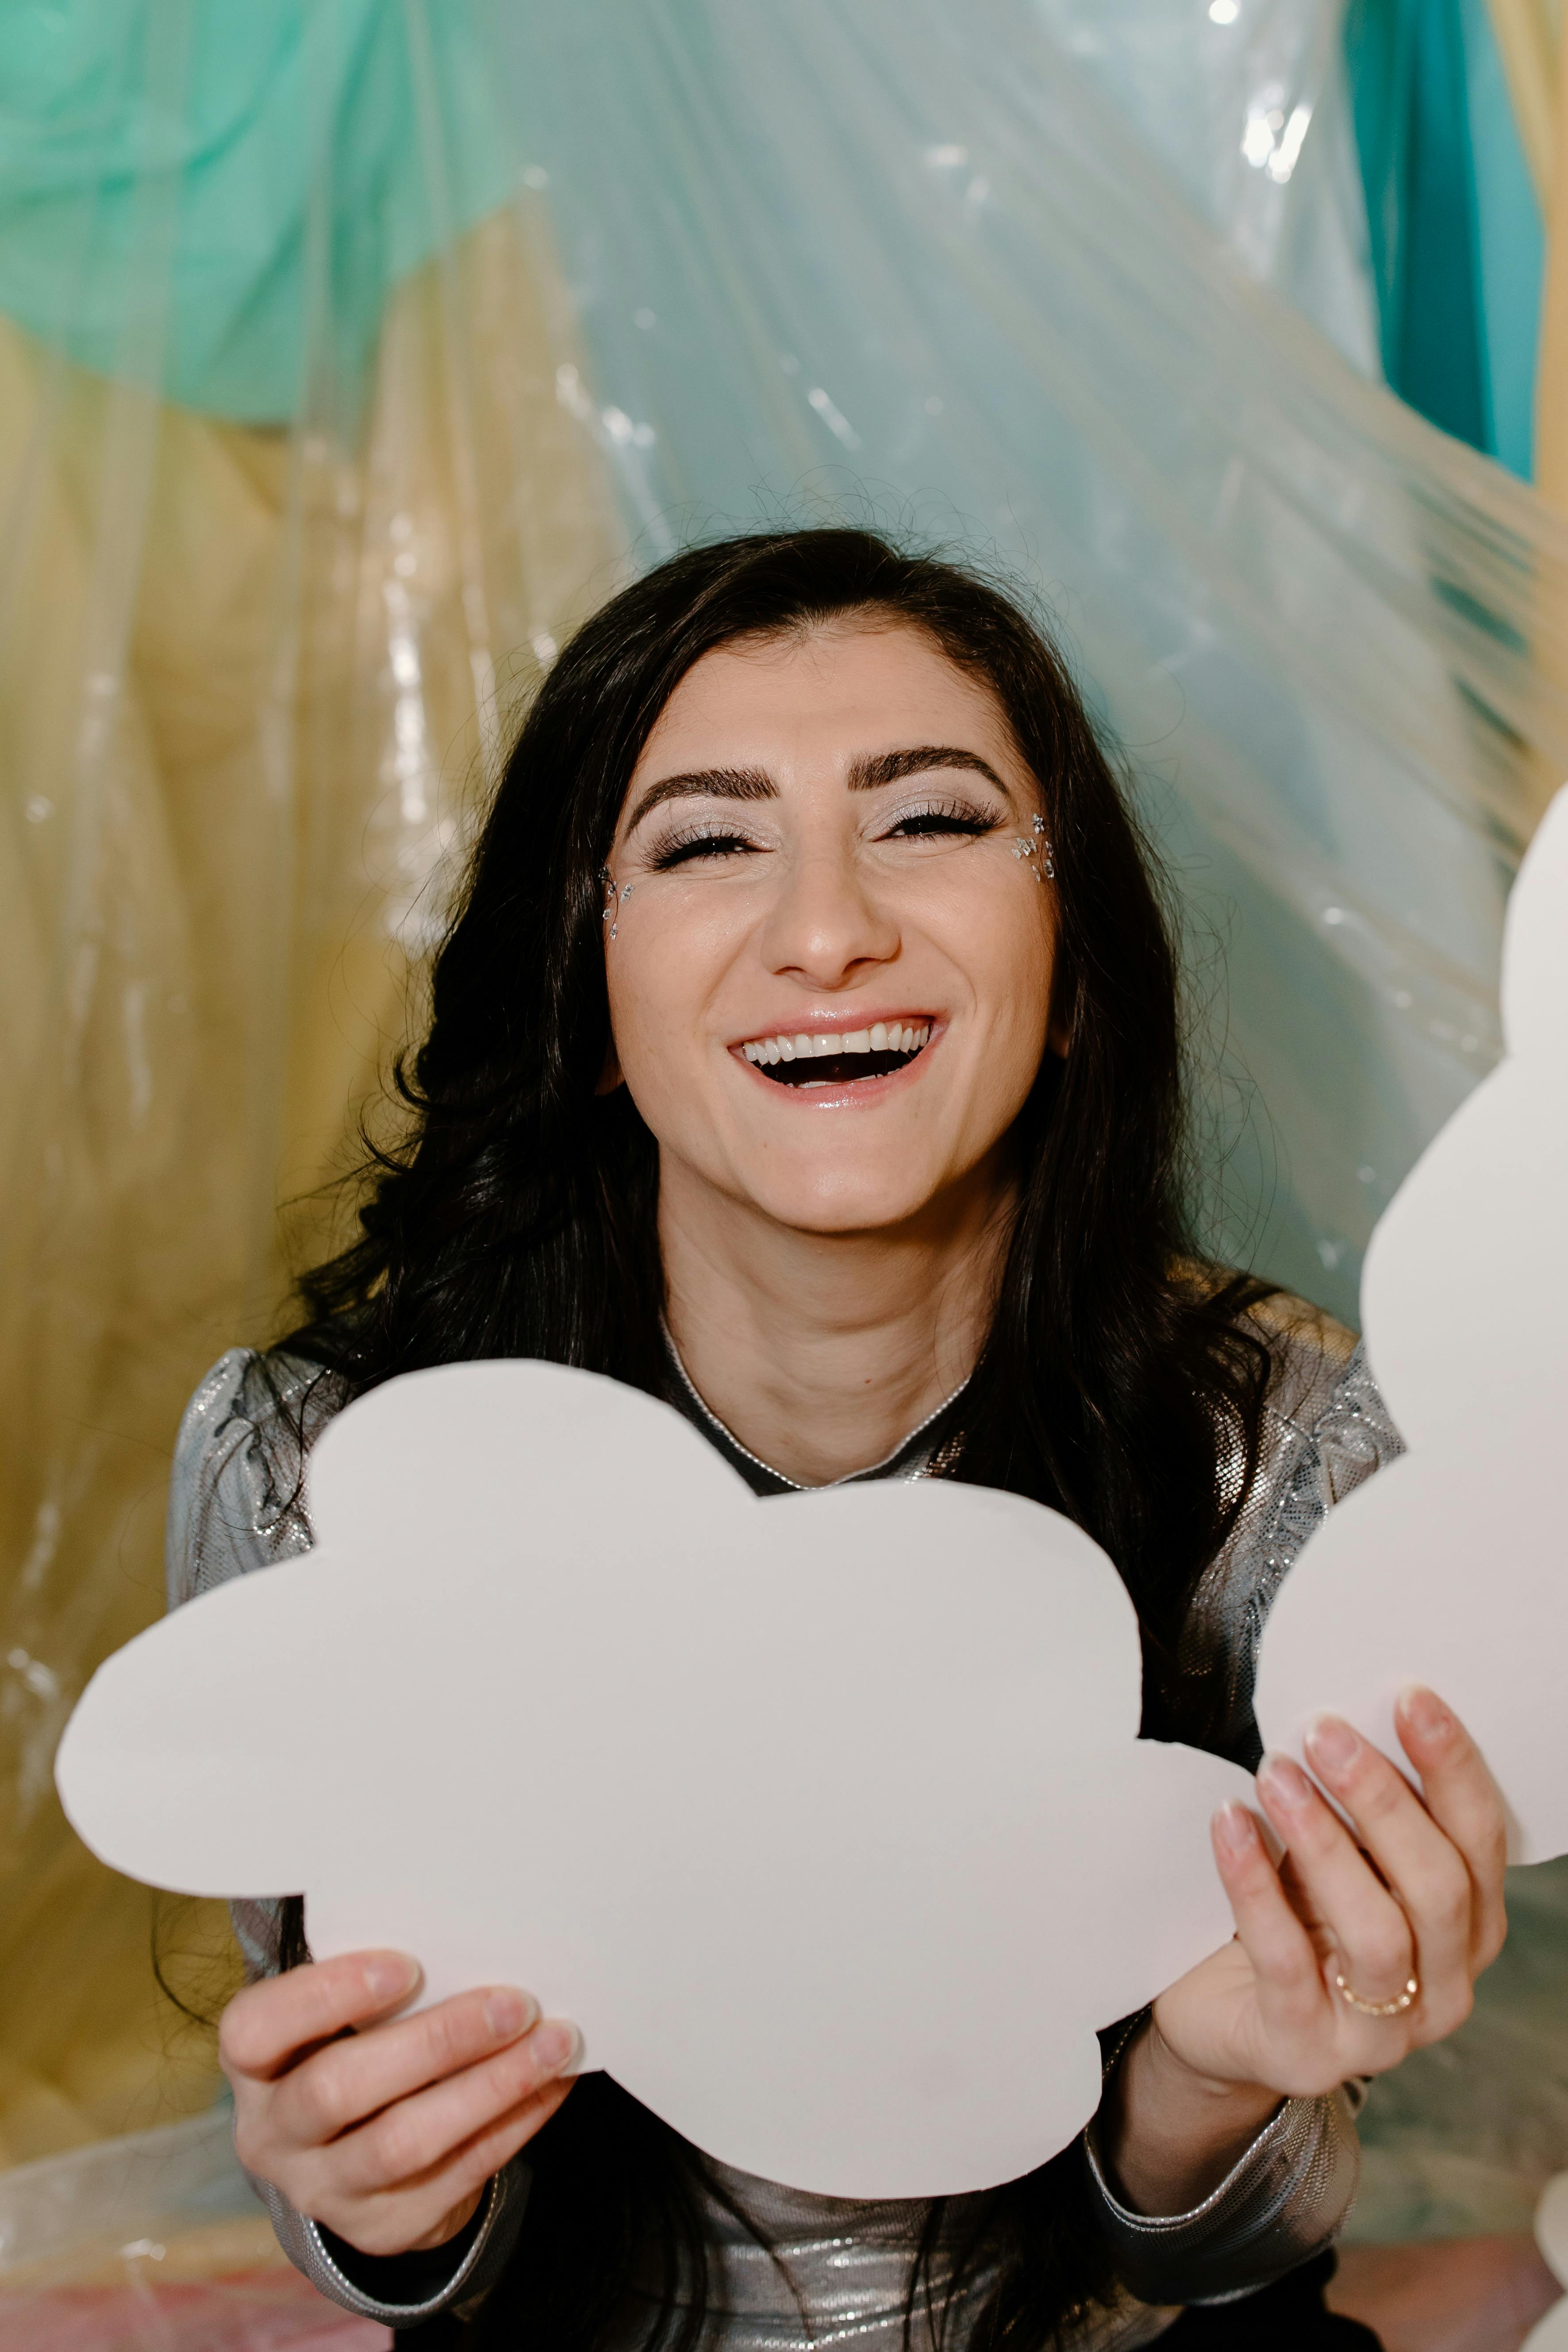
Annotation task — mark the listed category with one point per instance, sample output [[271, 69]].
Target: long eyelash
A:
[[678, 848], [949, 816]]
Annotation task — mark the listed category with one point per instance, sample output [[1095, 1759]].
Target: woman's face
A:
[[830, 973]]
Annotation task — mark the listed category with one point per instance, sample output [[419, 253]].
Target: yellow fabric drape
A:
[[1552, 365], [1526, 32], [248, 696]]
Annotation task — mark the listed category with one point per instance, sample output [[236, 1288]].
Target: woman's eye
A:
[[924, 824], [682, 850]]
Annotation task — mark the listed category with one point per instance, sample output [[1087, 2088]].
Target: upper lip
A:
[[838, 1024]]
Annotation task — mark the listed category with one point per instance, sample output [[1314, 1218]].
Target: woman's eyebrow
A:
[[711, 784], [872, 768]]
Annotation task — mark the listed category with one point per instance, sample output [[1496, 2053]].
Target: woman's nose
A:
[[827, 922]]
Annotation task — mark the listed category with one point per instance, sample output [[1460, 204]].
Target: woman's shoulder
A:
[[1322, 1406], [1325, 1430], [1308, 1351], [236, 1489], [1317, 1365]]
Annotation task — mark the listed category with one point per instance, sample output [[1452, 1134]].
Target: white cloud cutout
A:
[[1451, 1567], [823, 1816]]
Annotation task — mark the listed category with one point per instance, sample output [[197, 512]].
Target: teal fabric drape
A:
[[1456, 228], [161, 180]]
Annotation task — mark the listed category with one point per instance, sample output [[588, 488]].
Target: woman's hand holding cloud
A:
[[1415, 1893], [387, 2129]]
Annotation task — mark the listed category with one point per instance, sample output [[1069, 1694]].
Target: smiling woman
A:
[[804, 1051], [830, 927]]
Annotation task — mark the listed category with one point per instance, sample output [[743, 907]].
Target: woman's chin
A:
[[825, 1203]]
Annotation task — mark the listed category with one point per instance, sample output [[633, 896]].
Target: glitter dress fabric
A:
[[813, 2269]]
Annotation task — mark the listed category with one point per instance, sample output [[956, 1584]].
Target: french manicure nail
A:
[[1425, 1712], [390, 1976], [508, 2013], [1286, 1784], [557, 2045], [1332, 1743], [1232, 1826]]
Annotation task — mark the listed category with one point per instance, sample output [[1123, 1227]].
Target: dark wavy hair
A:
[[1120, 1381]]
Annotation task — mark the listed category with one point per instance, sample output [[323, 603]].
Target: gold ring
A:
[[1395, 2008]]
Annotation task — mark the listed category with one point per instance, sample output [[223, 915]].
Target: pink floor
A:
[[270, 2310]]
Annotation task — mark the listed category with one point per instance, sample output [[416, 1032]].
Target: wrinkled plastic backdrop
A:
[[764, 259]]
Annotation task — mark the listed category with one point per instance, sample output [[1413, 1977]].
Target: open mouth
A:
[[839, 1061]]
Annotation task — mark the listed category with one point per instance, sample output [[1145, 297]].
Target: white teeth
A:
[[882, 1037]]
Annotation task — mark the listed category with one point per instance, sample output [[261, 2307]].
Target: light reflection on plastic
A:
[[1270, 142], [1224, 12], [621, 427], [1265, 121], [833, 417], [1286, 156], [41, 1680]]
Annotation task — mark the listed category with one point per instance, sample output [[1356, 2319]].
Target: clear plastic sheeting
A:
[[250, 682], [909, 262], [761, 260], [1247, 105]]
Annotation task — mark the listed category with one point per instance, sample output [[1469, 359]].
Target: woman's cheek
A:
[[654, 1025], [995, 923]]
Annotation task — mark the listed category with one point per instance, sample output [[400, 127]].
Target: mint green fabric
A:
[[291, 159], [1456, 228]]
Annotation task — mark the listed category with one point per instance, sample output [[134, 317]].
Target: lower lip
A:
[[853, 1094]]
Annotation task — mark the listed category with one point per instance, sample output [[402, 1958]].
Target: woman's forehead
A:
[[831, 693]]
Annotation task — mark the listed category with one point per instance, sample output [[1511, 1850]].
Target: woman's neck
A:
[[822, 1352]]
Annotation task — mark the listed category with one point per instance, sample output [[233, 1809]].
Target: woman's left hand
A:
[[1414, 1896]]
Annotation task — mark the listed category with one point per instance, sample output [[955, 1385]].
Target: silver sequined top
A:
[[831, 2272]]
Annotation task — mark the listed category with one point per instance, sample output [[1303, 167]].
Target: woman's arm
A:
[[389, 2133], [1403, 1914], [235, 1508]]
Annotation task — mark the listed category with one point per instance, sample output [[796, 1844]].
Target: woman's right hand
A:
[[387, 2129]]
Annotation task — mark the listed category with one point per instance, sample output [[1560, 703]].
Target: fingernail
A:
[[557, 2045], [508, 2012], [390, 1976], [1332, 1743], [1426, 1714], [1232, 1826], [1286, 1784]]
